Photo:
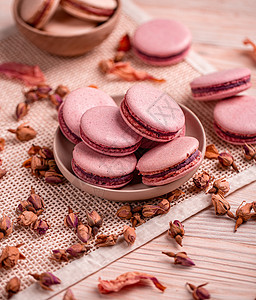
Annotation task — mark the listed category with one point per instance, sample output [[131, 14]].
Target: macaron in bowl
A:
[[92, 10], [221, 84], [103, 129], [152, 113], [161, 42], [170, 161], [102, 170], [235, 121], [76, 104]]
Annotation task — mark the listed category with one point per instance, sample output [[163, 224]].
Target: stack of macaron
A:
[[64, 17], [234, 116], [108, 138]]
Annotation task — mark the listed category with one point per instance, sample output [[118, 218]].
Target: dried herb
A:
[[5, 226], [180, 258], [77, 250], [12, 287], [10, 256], [129, 234], [94, 221], [71, 220], [211, 152], [176, 231], [104, 240], [227, 160], [202, 180], [199, 292], [27, 218], [83, 232], [46, 280], [243, 214], [69, 295], [174, 195], [249, 152], [220, 186], [2, 144], [21, 110], [24, 132], [59, 255], [124, 212], [129, 278]]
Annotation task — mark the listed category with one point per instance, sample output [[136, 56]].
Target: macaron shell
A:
[[161, 38], [106, 4], [155, 108], [167, 155], [237, 115], [104, 125], [103, 165], [79, 101]]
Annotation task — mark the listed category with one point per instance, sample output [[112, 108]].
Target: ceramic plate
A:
[[63, 154]]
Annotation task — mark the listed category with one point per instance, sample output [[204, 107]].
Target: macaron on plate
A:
[[133, 191]]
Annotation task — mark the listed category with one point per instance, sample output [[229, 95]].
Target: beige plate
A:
[[63, 154]]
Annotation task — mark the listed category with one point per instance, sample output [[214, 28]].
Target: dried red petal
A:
[[124, 43]]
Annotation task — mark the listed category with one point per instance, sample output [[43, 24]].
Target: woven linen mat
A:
[[16, 185]]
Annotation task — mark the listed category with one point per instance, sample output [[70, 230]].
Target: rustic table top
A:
[[224, 259]]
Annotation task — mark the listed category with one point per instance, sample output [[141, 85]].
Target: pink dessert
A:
[[221, 84], [170, 161], [38, 12], [161, 42], [152, 113], [102, 170], [103, 129], [75, 105], [234, 120]]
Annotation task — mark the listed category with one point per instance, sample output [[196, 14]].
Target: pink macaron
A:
[[235, 121], [93, 10], [38, 12], [102, 170], [221, 84], [152, 113], [103, 129], [161, 42], [170, 161], [76, 104]]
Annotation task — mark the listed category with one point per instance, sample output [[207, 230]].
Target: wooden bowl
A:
[[66, 45]]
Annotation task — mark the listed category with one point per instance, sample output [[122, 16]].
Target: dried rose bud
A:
[[243, 214], [62, 90], [164, 207], [37, 202], [83, 232], [199, 292], [33, 150], [46, 280], [180, 258], [30, 96], [25, 205], [119, 56], [137, 220], [27, 218], [69, 295], [71, 220], [12, 287], [249, 151], [174, 195], [137, 209], [59, 255], [40, 226], [2, 144], [77, 250], [211, 152], [220, 186], [221, 205], [149, 210], [104, 240], [226, 160], [176, 231], [124, 212], [46, 153], [27, 163], [94, 219], [56, 100], [202, 180], [24, 132], [53, 177], [5, 226], [52, 165], [10, 256], [43, 89], [38, 163], [254, 205], [2, 173], [21, 110], [129, 234]]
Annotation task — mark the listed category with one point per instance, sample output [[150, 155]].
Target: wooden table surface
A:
[[224, 259]]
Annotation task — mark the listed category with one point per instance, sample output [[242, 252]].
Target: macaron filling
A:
[[145, 128], [90, 9], [101, 180], [105, 149], [173, 170], [64, 128], [38, 17], [202, 91]]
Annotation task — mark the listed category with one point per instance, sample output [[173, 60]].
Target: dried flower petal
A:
[[124, 43], [180, 258], [129, 234], [71, 220], [221, 205], [21, 110], [30, 75], [2, 173], [243, 214], [5, 226], [174, 195], [211, 152], [249, 151], [10, 256], [46, 280], [226, 160], [106, 240], [40, 226], [59, 255], [136, 220], [77, 250], [124, 212], [24, 132], [62, 90], [202, 180], [220, 186], [12, 287], [125, 71], [27, 218], [199, 292], [83, 232], [250, 42], [176, 231], [69, 295], [129, 278]]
